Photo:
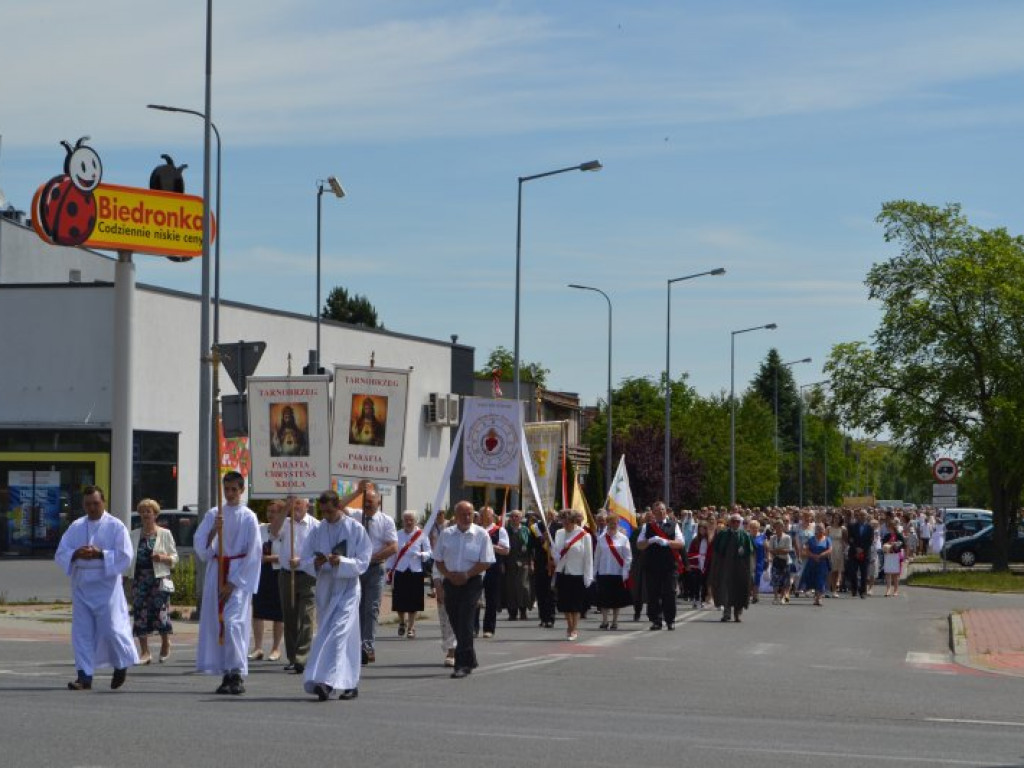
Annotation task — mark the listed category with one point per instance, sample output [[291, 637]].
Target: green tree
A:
[[773, 371], [503, 360], [946, 363], [354, 309]]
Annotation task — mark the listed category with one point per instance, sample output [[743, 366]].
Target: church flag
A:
[[620, 499]]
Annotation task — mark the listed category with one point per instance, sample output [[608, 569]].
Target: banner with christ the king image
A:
[[369, 423], [491, 447], [289, 434]]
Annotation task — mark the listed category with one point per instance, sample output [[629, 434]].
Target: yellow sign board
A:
[[135, 219]]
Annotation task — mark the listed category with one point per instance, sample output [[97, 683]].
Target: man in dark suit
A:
[[861, 537]]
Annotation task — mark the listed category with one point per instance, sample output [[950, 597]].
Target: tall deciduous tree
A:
[[354, 309], [946, 363], [503, 360]]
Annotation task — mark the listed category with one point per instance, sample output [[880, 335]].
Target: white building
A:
[[56, 348]]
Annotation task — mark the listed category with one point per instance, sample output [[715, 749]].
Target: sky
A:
[[761, 137]]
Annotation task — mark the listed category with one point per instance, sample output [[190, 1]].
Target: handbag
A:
[[167, 585]]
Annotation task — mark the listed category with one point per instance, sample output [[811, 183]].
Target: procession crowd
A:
[[318, 583]]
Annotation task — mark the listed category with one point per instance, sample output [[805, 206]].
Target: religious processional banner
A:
[[368, 437], [289, 436], [544, 444], [491, 447]]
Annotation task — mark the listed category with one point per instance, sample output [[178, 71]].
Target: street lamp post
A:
[[802, 388], [608, 437], [784, 365], [216, 244], [667, 471], [592, 165], [732, 405], [335, 187]]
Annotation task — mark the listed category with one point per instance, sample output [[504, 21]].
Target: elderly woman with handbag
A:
[[153, 556]]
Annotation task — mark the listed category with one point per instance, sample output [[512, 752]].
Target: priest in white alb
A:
[[94, 551], [339, 549], [232, 576]]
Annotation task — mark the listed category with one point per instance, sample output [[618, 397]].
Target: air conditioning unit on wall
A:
[[454, 404], [437, 409]]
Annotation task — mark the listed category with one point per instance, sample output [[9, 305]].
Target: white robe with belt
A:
[[243, 553], [101, 632], [334, 658]]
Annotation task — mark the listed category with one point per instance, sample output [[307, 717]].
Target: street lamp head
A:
[[593, 165], [770, 327], [161, 107], [719, 271], [335, 185]]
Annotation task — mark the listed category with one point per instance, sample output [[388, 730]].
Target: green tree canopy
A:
[[503, 360], [354, 309], [946, 363]]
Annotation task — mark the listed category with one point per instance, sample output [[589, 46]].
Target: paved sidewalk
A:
[[990, 640]]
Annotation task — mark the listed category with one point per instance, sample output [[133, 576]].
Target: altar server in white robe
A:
[[340, 551], [94, 551], [243, 555]]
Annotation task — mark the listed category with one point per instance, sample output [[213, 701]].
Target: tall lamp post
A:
[[334, 185], [216, 244], [592, 165], [802, 388], [732, 405], [668, 376], [608, 437], [784, 365]]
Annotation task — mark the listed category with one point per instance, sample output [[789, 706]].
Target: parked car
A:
[[957, 529], [970, 550], [966, 513], [181, 523]]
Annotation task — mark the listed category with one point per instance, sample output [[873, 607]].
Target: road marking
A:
[[498, 734], [30, 674], [515, 666], [928, 659], [845, 755], [960, 721]]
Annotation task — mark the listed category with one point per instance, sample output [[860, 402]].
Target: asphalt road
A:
[[857, 682]]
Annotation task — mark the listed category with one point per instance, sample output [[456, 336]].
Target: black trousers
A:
[[298, 610], [492, 596], [542, 591], [460, 603], [857, 574], [661, 596]]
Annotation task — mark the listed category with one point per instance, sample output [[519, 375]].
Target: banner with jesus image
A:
[[289, 436], [368, 436]]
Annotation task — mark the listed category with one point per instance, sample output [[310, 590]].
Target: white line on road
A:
[[497, 734], [844, 755], [959, 721], [515, 666], [16, 673], [913, 657]]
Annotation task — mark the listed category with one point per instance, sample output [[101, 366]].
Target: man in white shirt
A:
[[94, 551], [296, 582], [232, 576], [463, 553], [384, 538], [661, 541]]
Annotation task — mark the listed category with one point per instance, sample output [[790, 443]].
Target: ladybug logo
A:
[[169, 178], [65, 207]]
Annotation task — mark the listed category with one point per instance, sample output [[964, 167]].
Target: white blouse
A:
[[579, 559], [605, 563]]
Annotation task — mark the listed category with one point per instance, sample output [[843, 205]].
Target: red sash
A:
[[571, 544], [223, 567], [680, 565], [628, 581], [409, 543]]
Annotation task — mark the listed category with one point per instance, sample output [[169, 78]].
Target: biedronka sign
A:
[[74, 208]]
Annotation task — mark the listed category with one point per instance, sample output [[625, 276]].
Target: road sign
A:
[[944, 495], [945, 470], [240, 360]]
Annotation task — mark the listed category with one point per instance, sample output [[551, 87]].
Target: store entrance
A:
[[39, 499]]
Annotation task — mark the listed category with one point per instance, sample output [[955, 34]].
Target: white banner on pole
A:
[[368, 437], [544, 445], [491, 444], [289, 436]]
